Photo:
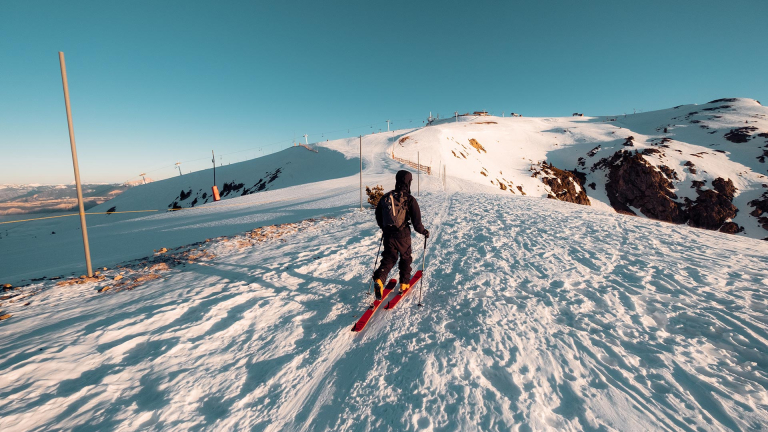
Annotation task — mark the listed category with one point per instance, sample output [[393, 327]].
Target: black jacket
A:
[[413, 213]]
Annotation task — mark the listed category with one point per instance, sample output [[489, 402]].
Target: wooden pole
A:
[[361, 172], [76, 167]]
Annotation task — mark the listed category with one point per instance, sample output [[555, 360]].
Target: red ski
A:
[[396, 299], [360, 324]]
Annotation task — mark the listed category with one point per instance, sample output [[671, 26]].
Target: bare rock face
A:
[[635, 183], [760, 210], [632, 181], [724, 187], [712, 209], [565, 185], [731, 228]]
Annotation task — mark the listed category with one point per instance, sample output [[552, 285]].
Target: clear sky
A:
[[156, 82]]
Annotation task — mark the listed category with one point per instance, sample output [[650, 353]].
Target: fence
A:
[[414, 165]]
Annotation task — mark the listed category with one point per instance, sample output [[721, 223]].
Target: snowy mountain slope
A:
[[290, 167], [532, 322], [540, 315], [504, 152], [53, 247], [479, 154]]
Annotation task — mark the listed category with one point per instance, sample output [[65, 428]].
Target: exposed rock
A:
[[725, 100], [565, 185], [160, 267], [594, 151], [104, 288], [629, 142], [691, 167], [230, 188], [80, 281], [760, 210], [669, 172], [473, 142], [651, 151], [698, 184], [731, 228], [632, 181], [5, 316], [724, 187], [740, 135], [711, 210]]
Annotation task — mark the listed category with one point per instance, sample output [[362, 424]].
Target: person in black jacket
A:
[[397, 241]]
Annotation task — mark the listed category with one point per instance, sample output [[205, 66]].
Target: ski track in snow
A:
[[579, 320]]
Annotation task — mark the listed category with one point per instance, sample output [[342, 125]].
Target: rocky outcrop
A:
[[740, 135], [760, 210], [714, 207], [632, 181], [564, 185], [474, 143]]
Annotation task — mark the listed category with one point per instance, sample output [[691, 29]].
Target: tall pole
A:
[[214, 167], [361, 172], [76, 167], [418, 175]]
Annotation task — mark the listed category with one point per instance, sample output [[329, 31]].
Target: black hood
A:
[[403, 181]]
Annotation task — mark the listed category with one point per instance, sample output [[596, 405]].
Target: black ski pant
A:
[[394, 246]]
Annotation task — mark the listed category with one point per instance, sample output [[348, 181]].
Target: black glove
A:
[[426, 233]]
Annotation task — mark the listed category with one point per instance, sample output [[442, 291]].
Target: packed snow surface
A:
[[579, 320], [538, 315]]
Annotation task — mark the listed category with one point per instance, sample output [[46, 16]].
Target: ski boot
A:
[[404, 287], [378, 289]]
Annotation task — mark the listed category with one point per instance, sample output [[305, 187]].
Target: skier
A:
[[393, 213]]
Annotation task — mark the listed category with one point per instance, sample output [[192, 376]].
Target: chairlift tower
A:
[[178, 165], [142, 177]]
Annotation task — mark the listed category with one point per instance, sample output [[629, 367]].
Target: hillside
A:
[[664, 164], [24, 199], [539, 314], [704, 171]]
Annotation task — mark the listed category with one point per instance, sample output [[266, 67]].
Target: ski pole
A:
[[376, 261], [423, 260]]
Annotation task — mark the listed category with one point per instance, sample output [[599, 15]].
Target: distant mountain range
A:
[[35, 198]]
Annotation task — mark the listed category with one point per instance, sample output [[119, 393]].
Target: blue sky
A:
[[155, 82]]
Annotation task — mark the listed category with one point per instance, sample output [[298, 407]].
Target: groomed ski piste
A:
[[538, 314]]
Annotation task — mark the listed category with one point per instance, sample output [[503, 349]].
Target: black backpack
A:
[[395, 209]]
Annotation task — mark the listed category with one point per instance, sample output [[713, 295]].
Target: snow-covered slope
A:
[[504, 152], [293, 166], [687, 148], [531, 322], [539, 314]]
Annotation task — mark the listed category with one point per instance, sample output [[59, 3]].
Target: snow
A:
[[539, 314]]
